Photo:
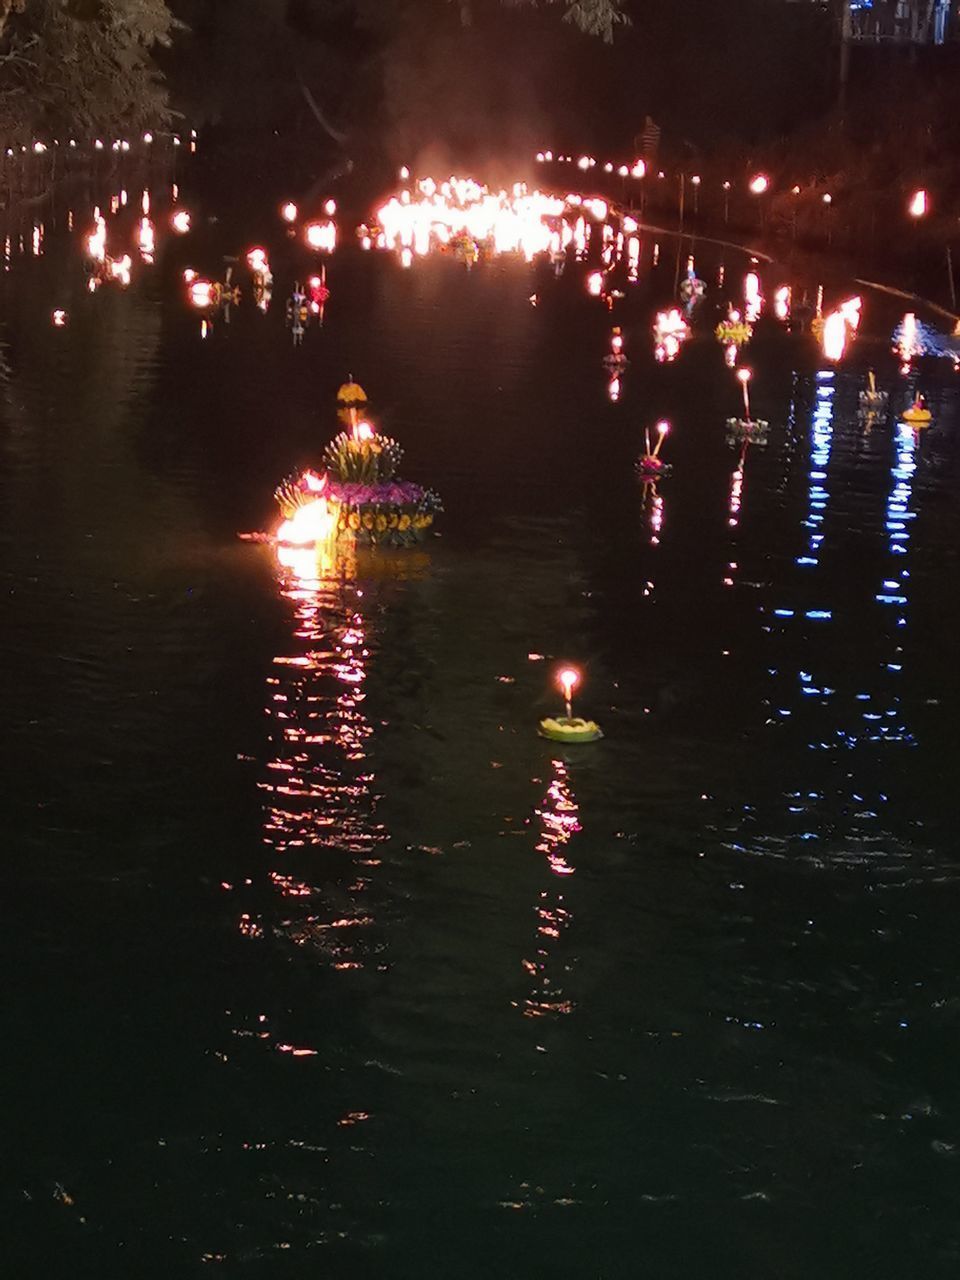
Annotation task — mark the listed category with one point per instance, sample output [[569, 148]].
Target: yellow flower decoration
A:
[[368, 519], [381, 523], [354, 520], [392, 520], [404, 523]]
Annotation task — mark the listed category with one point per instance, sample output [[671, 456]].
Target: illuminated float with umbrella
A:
[[692, 289], [569, 728], [650, 466], [358, 497], [748, 429]]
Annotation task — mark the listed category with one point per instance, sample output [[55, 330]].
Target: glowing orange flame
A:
[[568, 679]]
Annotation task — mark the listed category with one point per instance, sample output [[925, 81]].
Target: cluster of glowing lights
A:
[[314, 523], [670, 332], [440, 215], [839, 327], [322, 236]]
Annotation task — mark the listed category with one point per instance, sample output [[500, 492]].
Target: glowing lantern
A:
[[180, 222], [365, 431], [289, 212], [623, 171], [595, 284], [540, 157], [759, 184], [330, 208], [781, 302], [639, 170], [918, 204], [404, 174], [695, 180], [148, 138], [827, 198], [59, 319]]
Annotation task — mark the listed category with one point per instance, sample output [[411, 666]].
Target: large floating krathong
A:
[[358, 497], [569, 728]]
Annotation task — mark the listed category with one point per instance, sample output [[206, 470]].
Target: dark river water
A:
[[318, 961]]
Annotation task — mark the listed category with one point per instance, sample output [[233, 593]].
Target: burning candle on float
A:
[[744, 376], [568, 679], [918, 204]]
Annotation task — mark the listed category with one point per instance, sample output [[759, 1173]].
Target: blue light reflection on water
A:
[[821, 446]]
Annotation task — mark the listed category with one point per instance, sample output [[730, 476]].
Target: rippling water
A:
[[318, 960]]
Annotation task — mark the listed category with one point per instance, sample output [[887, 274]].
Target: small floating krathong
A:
[[616, 360], [734, 331], [651, 466], [371, 506], [871, 400], [747, 430], [918, 415], [569, 728]]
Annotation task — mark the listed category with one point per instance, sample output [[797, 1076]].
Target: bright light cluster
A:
[[509, 222]]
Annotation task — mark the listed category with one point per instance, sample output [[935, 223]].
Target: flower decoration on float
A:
[[734, 331], [650, 465], [568, 727]]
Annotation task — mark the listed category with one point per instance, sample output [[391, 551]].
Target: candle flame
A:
[[568, 679]]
